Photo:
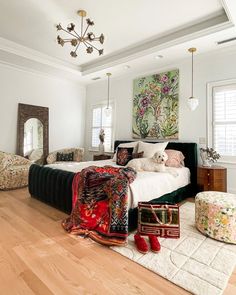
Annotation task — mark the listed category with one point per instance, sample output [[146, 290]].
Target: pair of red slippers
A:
[[142, 245]]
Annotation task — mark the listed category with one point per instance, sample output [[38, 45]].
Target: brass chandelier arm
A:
[[85, 44], [70, 33], [78, 36], [91, 45], [77, 46], [85, 31]]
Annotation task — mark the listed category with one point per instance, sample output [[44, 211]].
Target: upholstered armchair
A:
[[78, 155], [14, 171]]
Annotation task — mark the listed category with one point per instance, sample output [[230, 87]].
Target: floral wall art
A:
[[156, 105]]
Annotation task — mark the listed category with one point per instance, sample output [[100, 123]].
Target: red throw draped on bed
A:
[[100, 204]]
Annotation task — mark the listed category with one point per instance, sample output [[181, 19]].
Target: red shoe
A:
[[155, 245], [141, 244]]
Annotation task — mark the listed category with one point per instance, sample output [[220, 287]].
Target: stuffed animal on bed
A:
[[154, 164]]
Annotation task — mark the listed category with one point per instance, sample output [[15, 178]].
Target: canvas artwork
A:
[[156, 106]]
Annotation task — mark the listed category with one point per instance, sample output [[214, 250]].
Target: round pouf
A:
[[215, 215]]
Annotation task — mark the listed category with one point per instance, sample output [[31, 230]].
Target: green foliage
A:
[[155, 106]]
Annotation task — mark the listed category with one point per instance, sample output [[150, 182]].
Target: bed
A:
[[53, 184]]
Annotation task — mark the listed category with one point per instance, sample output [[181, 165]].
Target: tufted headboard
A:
[[189, 150]]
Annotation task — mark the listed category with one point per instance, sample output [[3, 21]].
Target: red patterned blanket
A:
[[100, 204]]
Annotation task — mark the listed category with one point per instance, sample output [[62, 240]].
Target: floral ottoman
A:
[[215, 215]]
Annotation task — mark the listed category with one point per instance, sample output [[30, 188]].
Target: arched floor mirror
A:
[[32, 132]]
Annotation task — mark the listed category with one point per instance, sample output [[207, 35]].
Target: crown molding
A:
[[26, 52], [230, 9], [208, 26], [28, 70]]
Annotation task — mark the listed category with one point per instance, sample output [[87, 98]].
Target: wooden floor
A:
[[38, 257]]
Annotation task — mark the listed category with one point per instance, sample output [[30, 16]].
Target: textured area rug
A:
[[194, 262]]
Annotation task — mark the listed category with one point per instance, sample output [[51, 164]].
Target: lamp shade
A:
[[192, 103]]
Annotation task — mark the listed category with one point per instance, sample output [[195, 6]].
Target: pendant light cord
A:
[[192, 73], [108, 91]]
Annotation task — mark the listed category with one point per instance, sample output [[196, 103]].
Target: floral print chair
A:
[[78, 155], [14, 171]]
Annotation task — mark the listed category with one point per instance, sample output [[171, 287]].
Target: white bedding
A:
[[147, 185]]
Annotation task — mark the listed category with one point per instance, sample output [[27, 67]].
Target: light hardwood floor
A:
[[38, 257]]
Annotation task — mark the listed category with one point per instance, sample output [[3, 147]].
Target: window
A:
[[101, 121], [222, 117]]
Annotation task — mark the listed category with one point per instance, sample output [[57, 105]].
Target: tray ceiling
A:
[[130, 27]]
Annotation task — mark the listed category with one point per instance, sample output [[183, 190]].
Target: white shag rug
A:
[[194, 262]]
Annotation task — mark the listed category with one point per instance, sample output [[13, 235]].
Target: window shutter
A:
[[101, 121], [224, 120]]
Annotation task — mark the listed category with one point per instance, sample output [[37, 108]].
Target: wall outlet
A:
[[202, 140]]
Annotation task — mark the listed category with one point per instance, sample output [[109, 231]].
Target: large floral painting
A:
[[155, 106]]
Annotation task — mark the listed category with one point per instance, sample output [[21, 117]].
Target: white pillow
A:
[[133, 144], [36, 155], [149, 149]]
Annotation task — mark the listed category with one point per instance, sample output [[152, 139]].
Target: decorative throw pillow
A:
[[137, 155], [65, 157], [133, 144], [175, 159], [124, 155], [150, 149]]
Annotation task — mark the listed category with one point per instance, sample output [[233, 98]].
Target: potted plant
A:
[[208, 156]]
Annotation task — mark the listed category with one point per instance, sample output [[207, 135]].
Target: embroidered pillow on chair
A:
[[69, 157]]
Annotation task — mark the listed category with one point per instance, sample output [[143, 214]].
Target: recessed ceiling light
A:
[[158, 56], [126, 67]]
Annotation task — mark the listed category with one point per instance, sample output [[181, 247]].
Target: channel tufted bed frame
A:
[[54, 186]]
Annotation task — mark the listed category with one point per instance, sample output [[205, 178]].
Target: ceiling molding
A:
[[206, 27], [33, 71], [230, 7], [26, 52], [165, 67]]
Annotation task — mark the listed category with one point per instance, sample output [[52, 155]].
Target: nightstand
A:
[[212, 178], [101, 157]]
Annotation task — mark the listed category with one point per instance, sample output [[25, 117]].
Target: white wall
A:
[[192, 125], [65, 100]]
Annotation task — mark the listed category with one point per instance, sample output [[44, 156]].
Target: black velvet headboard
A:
[[189, 150]]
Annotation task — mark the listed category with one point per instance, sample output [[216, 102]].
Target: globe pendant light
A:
[[108, 108], [192, 101]]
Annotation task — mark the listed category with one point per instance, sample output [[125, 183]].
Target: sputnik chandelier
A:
[[83, 38]]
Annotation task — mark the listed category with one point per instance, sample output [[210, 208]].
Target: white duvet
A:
[[147, 185]]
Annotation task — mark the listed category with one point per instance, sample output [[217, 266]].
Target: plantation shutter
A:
[[224, 120], [101, 121]]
